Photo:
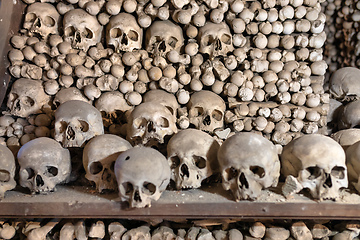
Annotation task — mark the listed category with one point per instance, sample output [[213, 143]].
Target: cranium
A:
[[42, 18], [164, 98], [317, 163], [99, 157], [66, 94], [206, 110], [26, 97], [164, 36], [350, 116], [112, 106], [142, 174], [192, 156], [81, 29], [7, 170], [76, 122], [248, 163], [215, 39], [344, 84], [124, 33], [149, 124], [347, 137], [43, 165]]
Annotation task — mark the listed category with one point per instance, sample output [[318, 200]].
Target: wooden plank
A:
[[80, 202]]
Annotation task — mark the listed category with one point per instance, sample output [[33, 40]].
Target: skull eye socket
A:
[[217, 115], [84, 126], [95, 168], [174, 162], [30, 17], [126, 188], [149, 188], [69, 31], [29, 101], [29, 173], [225, 38], [63, 126], [115, 33], [4, 176], [172, 42], [52, 171], [13, 96], [338, 172], [231, 173], [208, 40], [163, 122], [49, 21], [314, 172], [200, 162], [88, 33], [257, 170], [140, 122], [196, 111], [134, 36], [170, 109]]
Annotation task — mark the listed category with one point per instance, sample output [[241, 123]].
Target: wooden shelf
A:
[[211, 202]]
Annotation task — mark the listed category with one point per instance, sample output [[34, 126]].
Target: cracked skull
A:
[[164, 36], [142, 174], [192, 156], [7, 171], [206, 111], [81, 29], [124, 33], [43, 165], [99, 157], [245, 170], [215, 39], [26, 97], [76, 122], [150, 123], [317, 163], [41, 18]]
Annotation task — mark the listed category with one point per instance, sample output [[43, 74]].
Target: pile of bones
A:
[[186, 89], [225, 229]]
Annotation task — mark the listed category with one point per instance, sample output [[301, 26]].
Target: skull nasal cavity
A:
[[124, 40], [137, 197], [218, 46], [243, 180], [328, 182], [70, 133], [39, 181], [207, 120], [151, 127], [185, 170]]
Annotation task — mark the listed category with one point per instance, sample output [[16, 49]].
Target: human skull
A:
[[344, 84], [206, 111], [149, 124], [215, 39], [124, 33], [112, 106], [7, 170], [42, 18], [353, 164], [43, 165], [67, 94], [318, 164], [81, 29], [142, 174], [347, 137], [26, 97], [248, 163], [192, 156], [350, 116], [164, 36], [76, 122], [164, 98], [99, 157]]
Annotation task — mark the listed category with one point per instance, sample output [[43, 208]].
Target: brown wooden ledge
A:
[[211, 202]]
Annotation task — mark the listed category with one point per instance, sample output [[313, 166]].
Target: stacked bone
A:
[[247, 51], [36, 229]]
